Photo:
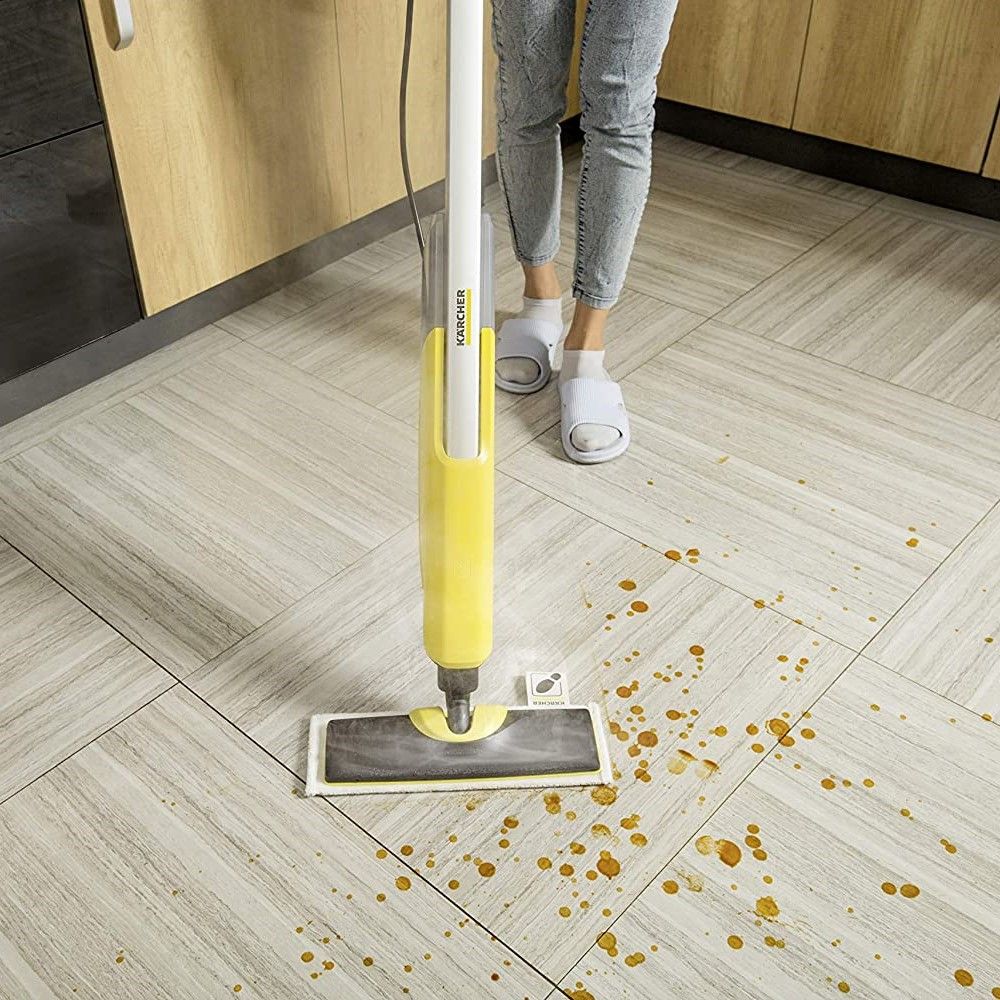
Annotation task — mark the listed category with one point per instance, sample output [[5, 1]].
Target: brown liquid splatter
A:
[[673, 554], [909, 891], [639, 607], [948, 846], [828, 784], [637, 958], [487, 870], [670, 887], [608, 865], [564, 911], [647, 738], [307, 956], [402, 883], [843, 987], [735, 942], [696, 650], [544, 863], [381, 854], [627, 584], [604, 795], [565, 870], [963, 977], [406, 850], [553, 804], [609, 943], [888, 888], [912, 542], [767, 908]]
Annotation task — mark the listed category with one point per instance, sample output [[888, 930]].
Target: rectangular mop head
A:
[[505, 748]]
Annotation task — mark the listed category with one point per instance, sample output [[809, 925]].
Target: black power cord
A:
[[404, 78]]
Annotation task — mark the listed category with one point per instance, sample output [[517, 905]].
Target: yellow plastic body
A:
[[432, 722], [456, 519]]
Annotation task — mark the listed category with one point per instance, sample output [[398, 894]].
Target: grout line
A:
[[860, 373], [714, 812], [627, 534], [93, 739], [371, 836]]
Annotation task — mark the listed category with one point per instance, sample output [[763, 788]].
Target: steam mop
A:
[[457, 746]]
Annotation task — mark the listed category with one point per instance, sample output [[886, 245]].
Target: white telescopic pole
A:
[[463, 197]]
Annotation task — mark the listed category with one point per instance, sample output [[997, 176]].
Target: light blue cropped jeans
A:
[[623, 43]]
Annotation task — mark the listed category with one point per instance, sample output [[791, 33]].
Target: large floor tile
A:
[[65, 675], [866, 855], [90, 399], [681, 667], [196, 510], [947, 636], [367, 340], [823, 492], [667, 143], [173, 859], [913, 301], [300, 295], [711, 234]]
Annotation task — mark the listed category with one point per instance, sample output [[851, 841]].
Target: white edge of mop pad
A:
[[315, 785]]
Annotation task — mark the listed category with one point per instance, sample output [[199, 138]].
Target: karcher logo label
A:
[[462, 306]]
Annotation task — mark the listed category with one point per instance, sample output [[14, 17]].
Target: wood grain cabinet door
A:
[[920, 78], [226, 126], [738, 56], [992, 167], [371, 45]]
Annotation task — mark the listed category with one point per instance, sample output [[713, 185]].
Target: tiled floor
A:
[[198, 552]]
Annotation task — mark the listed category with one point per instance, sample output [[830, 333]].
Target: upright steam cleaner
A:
[[457, 747]]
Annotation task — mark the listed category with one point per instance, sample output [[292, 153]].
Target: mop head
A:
[[504, 748]]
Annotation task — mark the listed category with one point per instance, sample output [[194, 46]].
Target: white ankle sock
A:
[[524, 371], [588, 364]]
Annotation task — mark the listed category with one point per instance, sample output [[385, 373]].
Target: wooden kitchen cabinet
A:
[[920, 78], [741, 57], [371, 45], [992, 166], [226, 127]]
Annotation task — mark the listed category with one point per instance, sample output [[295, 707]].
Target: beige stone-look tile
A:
[[947, 636], [943, 216], [829, 495], [90, 399], [172, 859], [897, 296], [355, 645], [196, 510], [65, 675], [300, 295], [709, 234], [883, 885], [664, 143], [367, 340]]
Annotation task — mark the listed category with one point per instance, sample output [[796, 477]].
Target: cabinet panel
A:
[[992, 168], [226, 126], [920, 78], [738, 56], [46, 87], [65, 274], [371, 44]]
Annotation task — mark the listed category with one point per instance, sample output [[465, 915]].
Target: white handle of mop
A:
[[463, 199]]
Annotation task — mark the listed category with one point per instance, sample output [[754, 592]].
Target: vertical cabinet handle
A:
[[124, 23]]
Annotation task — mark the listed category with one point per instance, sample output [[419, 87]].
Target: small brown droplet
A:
[[307, 956], [963, 977], [888, 888], [627, 584], [673, 554], [402, 883], [909, 891], [735, 942], [639, 607], [670, 887], [487, 870]]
